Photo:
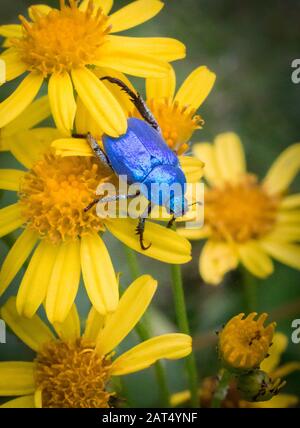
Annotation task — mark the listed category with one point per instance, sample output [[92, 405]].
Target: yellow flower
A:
[[74, 370], [244, 342], [62, 45], [233, 399], [64, 239], [30, 117], [246, 221]]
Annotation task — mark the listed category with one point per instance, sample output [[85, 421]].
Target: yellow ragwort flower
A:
[[65, 240], [74, 370], [34, 114], [246, 221], [244, 342], [233, 400], [62, 44]]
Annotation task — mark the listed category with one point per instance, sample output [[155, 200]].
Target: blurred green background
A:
[[250, 45]]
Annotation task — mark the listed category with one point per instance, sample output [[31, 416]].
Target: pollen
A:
[[244, 342], [62, 40], [54, 193], [240, 211], [72, 375], [176, 122]]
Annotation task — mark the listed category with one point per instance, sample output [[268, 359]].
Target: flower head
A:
[[74, 370], [62, 45], [244, 342], [64, 239], [246, 221]]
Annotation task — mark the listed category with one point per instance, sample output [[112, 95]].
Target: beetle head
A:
[[177, 206]]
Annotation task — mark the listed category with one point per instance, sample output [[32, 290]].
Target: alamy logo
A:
[[295, 76], [296, 333], [2, 332]]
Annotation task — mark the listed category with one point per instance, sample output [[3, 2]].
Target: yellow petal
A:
[[14, 66], [10, 219], [255, 259], [230, 156], [283, 170], [38, 10], [196, 87], [206, 153], [288, 254], [35, 113], [171, 346], [36, 279], [10, 179], [286, 369], [193, 168], [16, 378], [19, 403], [290, 202], [32, 331], [180, 398], [98, 274], [279, 345], [29, 146], [194, 234], [285, 233], [163, 87], [72, 147], [167, 246], [11, 30], [131, 308], [20, 98], [94, 324], [69, 329], [100, 102], [105, 5], [2, 72], [85, 122], [16, 257], [62, 101], [38, 398], [64, 282], [127, 60], [117, 92], [216, 259], [134, 14], [288, 217], [164, 48]]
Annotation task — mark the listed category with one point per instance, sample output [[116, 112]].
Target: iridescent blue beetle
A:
[[144, 157]]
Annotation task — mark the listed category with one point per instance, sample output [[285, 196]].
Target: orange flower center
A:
[[241, 211], [72, 375], [176, 122], [54, 193], [63, 39]]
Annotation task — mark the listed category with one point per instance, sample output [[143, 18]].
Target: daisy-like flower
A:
[[244, 341], [246, 221], [62, 45], [176, 113], [35, 113], [270, 365], [64, 239], [74, 370]]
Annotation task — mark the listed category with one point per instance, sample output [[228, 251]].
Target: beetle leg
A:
[[99, 153], [171, 222], [109, 199], [137, 100], [141, 227]]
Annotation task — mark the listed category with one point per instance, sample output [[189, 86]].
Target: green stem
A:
[[250, 290], [221, 389], [143, 330], [183, 324]]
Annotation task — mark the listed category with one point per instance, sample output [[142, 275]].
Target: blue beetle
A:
[[144, 157]]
